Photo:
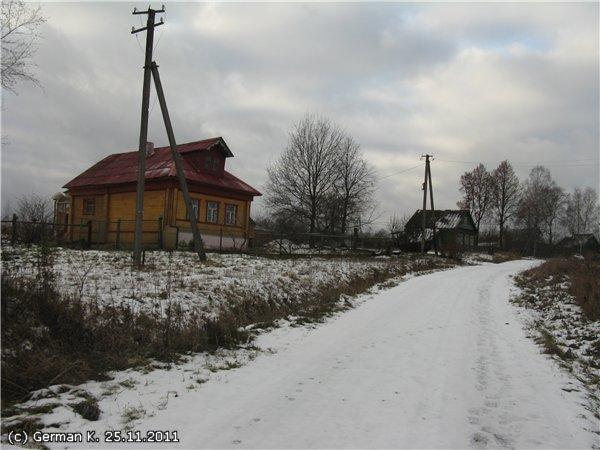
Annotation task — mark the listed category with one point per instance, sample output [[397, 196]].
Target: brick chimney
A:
[[149, 149]]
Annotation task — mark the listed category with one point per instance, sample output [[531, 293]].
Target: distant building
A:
[[455, 229], [579, 243], [105, 194], [62, 207]]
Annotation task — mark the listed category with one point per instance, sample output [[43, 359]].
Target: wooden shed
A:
[[580, 243], [455, 229]]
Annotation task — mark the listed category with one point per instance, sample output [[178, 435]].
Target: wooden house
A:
[[455, 229], [105, 196]]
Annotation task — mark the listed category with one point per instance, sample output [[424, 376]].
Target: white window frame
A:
[[212, 212], [228, 218]]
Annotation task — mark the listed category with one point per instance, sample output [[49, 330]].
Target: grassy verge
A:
[[564, 293]]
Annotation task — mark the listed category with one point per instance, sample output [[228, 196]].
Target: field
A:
[[71, 315]]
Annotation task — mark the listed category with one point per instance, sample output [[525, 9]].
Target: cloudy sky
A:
[[464, 82]]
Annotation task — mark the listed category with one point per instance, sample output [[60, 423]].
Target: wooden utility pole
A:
[[198, 245], [428, 167], [139, 201], [424, 213], [427, 182]]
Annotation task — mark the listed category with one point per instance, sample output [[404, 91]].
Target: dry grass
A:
[[582, 274], [565, 293], [50, 337], [505, 256]]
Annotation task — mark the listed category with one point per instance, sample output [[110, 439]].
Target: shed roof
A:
[[121, 168], [444, 219]]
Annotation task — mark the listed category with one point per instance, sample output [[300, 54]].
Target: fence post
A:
[[89, 234], [221, 239], [160, 233], [118, 236], [13, 236], [355, 239]]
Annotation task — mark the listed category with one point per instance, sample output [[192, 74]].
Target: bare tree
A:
[[396, 223], [540, 206], [20, 33], [306, 172], [34, 208], [553, 202], [476, 187], [581, 211], [355, 183], [505, 196]]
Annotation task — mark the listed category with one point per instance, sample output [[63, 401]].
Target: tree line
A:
[[321, 182], [537, 206]]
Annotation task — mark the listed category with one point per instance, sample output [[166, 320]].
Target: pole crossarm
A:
[[134, 31], [149, 11]]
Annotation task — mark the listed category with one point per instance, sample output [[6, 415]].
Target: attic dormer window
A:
[[211, 163]]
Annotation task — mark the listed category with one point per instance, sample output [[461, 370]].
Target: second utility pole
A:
[[139, 200], [424, 211]]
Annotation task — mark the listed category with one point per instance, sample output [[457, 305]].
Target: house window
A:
[[61, 207], [195, 208], [212, 212], [211, 163], [89, 206], [231, 214]]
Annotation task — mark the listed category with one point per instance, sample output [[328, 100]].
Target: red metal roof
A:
[[121, 168]]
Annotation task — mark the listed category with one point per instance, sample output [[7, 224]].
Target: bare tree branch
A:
[[20, 25]]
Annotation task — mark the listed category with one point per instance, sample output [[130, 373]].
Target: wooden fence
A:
[[87, 234]]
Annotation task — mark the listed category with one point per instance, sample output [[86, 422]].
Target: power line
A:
[[401, 171], [161, 33], [552, 163]]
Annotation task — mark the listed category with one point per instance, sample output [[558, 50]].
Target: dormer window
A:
[[211, 163]]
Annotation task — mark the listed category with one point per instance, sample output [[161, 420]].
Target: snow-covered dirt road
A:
[[440, 360]]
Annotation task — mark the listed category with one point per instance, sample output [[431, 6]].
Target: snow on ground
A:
[[440, 360], [106, 277], [477, 258]]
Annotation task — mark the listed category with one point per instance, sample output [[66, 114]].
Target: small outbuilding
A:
[[579, 243], [454, 230]]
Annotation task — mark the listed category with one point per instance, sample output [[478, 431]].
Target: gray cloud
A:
[[477, 82]]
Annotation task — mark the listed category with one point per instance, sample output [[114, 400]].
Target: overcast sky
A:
[[464, 82]]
